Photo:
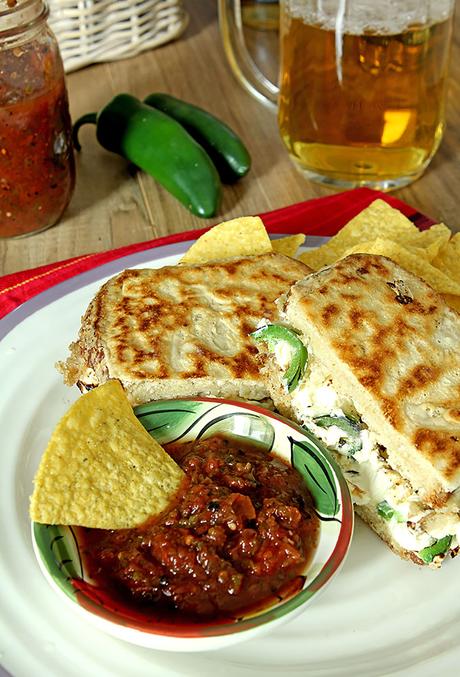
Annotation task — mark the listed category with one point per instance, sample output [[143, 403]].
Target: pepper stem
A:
[[89, 117]]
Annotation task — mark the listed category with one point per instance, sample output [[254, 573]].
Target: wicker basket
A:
[[90, 31]]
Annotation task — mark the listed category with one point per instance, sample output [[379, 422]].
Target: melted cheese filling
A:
[[371, 479]]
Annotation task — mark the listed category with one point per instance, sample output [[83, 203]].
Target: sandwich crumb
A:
[[403, 295]]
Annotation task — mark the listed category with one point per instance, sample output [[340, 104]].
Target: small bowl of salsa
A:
[[263, 521]]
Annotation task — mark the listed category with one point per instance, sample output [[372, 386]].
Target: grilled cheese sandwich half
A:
[[381, 388], [181, 331]]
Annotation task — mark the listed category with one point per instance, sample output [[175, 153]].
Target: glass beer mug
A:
[[362, 89]]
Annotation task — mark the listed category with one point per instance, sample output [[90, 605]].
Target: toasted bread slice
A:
[[382, 390], [181, 330], [391, 345]]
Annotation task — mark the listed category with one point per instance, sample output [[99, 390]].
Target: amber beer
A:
[[363, 109]]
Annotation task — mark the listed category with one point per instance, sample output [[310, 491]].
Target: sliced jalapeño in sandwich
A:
[[351, 428], [279, 338]]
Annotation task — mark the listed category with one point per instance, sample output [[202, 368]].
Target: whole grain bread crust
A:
[[370, 516]]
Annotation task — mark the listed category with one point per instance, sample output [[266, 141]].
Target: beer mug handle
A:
[[238, 56]]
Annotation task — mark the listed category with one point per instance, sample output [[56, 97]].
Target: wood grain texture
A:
[[114, 205]]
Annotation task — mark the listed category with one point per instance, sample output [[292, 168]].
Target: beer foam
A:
[[381, 17]]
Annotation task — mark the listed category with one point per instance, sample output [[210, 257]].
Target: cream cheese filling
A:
[[371, 479]]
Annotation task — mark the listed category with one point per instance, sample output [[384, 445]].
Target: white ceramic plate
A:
[[380, 616]]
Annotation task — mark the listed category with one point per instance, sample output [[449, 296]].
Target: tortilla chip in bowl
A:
[[213, 529]]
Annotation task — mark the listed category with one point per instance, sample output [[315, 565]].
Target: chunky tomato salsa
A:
[[240, 534], [37, 171]]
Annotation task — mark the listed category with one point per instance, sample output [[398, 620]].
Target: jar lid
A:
[[24, 15]]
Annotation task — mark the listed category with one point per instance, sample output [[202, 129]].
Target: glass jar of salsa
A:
[[37, 171]]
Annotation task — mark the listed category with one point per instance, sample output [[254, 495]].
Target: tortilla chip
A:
[[371, 246], [411, 261], [448, 258], [378, 220], [430, 241], [288, 245], [101, 468], [245, 236], [453, 301], [317, 258]]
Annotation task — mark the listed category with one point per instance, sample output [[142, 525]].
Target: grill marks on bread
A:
[[185, 328], [393, 335], [209, 318], [373, 330]]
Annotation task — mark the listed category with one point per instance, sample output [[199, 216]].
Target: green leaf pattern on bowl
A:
[[182, 422], [168, 421], [60, 554], [310, 462]]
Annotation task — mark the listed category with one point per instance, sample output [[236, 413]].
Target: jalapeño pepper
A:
[[224, 147], [161, 147], [439, 547], [351, 428], [385, 510], [272, 334]]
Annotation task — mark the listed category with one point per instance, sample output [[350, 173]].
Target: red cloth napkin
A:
[[322, 216]]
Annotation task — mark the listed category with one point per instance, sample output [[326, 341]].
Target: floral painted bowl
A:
[[57, 547]]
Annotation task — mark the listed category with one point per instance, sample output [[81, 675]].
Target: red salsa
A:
[[239, 535], [37, 172]]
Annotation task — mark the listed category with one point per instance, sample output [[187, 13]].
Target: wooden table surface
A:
[[112, 207]]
